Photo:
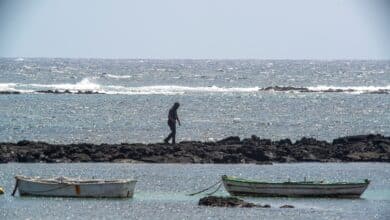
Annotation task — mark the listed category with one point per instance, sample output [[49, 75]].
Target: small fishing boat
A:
[[1, 191], [67, 187], [245, 187]]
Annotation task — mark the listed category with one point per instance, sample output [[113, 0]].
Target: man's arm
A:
[[178, 120]]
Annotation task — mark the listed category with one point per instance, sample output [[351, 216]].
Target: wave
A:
[[107, 75], [83, 85], [10, 88], [352, 89], [334, 89], [86, 86]]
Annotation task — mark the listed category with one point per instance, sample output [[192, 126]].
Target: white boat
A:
[[66, 187], [244, 187]]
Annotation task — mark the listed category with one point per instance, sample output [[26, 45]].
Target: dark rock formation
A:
[[358, 148], [286, 207], [9, 92], [217, 201], [285, 88], [65, 92]]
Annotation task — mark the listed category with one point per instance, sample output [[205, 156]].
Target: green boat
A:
[[246, 187]]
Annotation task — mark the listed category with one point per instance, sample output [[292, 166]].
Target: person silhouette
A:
[[172, 118]]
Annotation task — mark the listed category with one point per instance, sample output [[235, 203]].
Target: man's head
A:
[[176, 105]]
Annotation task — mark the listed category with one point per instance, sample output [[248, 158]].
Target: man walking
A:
[[172, 117]]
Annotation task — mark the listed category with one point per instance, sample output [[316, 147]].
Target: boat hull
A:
[[260, 189], [92, 189]]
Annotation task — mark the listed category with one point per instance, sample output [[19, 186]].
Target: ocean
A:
[[131, 97], [161, 192], [127, 100]]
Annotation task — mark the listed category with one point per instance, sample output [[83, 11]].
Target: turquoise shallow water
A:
[[161, 192]]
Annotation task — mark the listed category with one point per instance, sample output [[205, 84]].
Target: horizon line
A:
[[157, 58]]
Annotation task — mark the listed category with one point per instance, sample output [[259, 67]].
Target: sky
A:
[[196, 29]]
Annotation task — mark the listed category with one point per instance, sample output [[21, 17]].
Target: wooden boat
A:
[[66, 187], [244, 187]]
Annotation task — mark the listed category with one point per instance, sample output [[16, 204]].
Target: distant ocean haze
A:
[[108, 100]]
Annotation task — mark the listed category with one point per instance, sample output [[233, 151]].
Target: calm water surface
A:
[[161, 192]]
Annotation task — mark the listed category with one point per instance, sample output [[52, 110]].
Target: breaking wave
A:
[[107, 75], [86, 86], [334, 89], [352, 89], [9, 88]]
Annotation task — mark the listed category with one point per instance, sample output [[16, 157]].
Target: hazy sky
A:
[[292, 29]]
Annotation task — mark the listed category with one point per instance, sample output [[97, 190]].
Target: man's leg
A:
[[166, 140], [171, 126], [173, 129]]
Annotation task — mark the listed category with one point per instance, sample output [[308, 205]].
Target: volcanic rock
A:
[[217, 201]]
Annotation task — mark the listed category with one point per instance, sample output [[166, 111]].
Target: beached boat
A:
[[245, 187], [66, 187]]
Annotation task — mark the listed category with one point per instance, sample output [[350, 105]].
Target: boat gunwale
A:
[[232, 187], [339, 196], [79, 197], [73, 181], [249, 181]]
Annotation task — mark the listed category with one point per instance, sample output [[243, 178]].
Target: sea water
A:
[[218, 98], [161, 192]]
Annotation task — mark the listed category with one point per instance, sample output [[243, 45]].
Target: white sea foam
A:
[[117, 76], [88, 85], [11, 87], [7, 86], [173, 89], [83, 85], [350, 89]]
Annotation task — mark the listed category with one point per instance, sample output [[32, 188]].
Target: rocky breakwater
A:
[[361, 148]]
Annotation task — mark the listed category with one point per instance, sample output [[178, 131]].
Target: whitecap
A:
[[87, 85], [11, 87], [7, 86], [236, 120], [83, 85], [173, 89], [350, 89], [116, 76]]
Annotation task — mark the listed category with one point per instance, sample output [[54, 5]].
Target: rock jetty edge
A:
[[359, 148]]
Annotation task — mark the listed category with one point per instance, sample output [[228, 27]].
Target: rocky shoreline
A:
[[265, 89], [360, 148]]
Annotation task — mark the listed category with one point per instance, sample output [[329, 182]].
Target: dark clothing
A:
[[172, 117], [172, 135]]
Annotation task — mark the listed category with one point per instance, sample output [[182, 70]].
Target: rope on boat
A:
[[219, 186], [16, 187], [203, 190]]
